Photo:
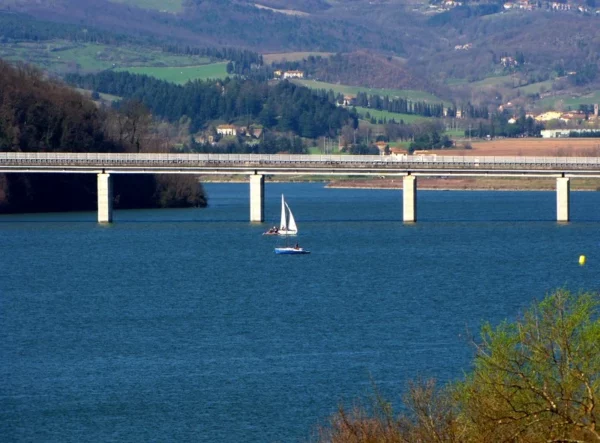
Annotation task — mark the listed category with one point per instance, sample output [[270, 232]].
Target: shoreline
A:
[[437, 184]]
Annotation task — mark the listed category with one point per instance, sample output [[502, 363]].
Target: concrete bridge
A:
[[257, 166]]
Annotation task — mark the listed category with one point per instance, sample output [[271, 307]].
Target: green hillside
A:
[[62, 56], [353, 90], [159, 5], [182, 74], [406, 118], [570, 101]]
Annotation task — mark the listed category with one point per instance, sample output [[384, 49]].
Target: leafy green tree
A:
[[538, 379], [535, 380]]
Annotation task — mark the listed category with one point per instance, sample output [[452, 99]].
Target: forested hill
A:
[[41, 115], [284, 107]]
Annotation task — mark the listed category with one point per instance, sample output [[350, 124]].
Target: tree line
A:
[[498, 126], [38, 115], [19, 27], [284, 107]]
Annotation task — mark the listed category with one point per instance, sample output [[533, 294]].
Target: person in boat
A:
[[297, 246]]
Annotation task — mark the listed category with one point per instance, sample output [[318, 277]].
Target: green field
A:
[[493, 81], [455, 133], [407, 118], [567, 101], [159, 5], [182, 74], [353, 90], [536, 88], [291, 56], [60, 56]]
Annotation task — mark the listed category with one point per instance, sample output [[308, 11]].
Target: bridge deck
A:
[[298, 164]]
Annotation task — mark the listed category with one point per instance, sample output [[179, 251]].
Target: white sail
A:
[[292, 228], [283, 222]]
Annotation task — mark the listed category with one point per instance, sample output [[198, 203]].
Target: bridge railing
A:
[[430, 160]]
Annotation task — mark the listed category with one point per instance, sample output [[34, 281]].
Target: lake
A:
[[183, 325]]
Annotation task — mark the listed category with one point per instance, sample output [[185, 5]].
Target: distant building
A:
[[563, 133], [547, 116], [508, 62], [293, 74], [277, 73], [226, 130], [464, 47]]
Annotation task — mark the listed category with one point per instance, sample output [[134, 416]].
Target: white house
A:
[[293, 74], [226, 130]]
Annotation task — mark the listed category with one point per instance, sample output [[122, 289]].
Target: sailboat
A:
[[287, 227], [287, 224]]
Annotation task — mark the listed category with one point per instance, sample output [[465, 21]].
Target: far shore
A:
[[426, 183], [537, 147]]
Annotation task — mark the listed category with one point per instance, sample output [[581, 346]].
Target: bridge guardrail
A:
[[422, 160]]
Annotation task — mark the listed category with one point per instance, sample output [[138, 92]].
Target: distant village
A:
[[525, 5], [557, 123]]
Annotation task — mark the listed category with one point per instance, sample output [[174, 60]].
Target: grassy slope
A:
[[159, 5], [353, 90], [291, 56], [407, 118], [61, 56], [180, 74], [565, 101]]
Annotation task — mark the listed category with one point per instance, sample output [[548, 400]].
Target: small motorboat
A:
[[291, 250]]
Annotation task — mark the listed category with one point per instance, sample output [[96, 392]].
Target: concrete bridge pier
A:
[[409, 199], [562, 199], [257, 198], [105, 198]]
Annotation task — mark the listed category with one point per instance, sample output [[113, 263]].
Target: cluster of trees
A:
[[399, 105], [270, 143], [430, 140], [360, 68], [584, 74], [426, 109], [584, 134], [284, 106], [498, 126], [37, 115], [535, 380], [463, 12], [241, 61], [19, 27]]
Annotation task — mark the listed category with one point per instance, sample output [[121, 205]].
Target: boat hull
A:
[[286, 232], [291, 251]]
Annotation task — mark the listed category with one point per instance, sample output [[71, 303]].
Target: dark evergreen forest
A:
[[284, 107], [38, 115]]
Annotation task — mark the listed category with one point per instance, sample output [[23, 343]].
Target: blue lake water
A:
[[183, 325]]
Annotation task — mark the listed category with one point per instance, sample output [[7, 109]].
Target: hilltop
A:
[[449, 40]]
